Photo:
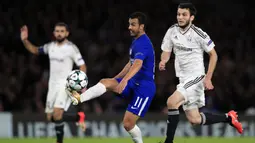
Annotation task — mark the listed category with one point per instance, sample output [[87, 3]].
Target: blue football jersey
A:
[[142, 49]]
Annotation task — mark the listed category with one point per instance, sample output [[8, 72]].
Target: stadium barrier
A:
[[109, 125], [6, 125]]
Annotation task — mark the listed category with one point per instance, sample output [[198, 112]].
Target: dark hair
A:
[[142, 18], [63, 25], [189, 6]]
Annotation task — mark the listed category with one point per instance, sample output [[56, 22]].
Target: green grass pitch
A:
[[128, 140]]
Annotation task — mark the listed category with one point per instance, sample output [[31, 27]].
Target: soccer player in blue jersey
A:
[[136, 80]]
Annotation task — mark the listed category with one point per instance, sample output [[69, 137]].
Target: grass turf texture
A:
[[128, 140]]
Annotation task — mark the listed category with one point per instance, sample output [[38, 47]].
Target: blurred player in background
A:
[[136, 80], [62, 54], [189, 43]]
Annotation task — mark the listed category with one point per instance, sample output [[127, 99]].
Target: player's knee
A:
[[175, 100], [106, 82], [128, 125], [171, 103], [57, 115]]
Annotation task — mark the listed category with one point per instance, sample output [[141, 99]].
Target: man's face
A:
[[60, 33], [184, 18], [134, 27]]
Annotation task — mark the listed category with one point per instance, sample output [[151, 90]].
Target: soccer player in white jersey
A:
[[188, 43], [62, 54]]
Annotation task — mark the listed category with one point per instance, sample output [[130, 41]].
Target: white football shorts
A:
[[192, 88], [57, 97]]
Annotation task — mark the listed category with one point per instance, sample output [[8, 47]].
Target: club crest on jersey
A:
[[189, 38]]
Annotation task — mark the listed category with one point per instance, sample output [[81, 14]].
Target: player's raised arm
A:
[[24, 37], [124, 71]]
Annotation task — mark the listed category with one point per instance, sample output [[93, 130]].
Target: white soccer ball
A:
[[77, 80]]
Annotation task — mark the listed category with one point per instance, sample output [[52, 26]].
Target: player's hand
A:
[[162, 65], [208, 84], [121, 86], [24, 33]]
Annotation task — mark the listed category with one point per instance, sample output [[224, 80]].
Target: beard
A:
[[60, 40], [134, 33], [185, 25]]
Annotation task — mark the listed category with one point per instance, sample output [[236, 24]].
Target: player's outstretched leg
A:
[[230, 117], [129, 123], [173, 104], [202, 118], [98, 89]]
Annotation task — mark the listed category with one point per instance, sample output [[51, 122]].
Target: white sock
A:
[[93, 92], [136, 134]]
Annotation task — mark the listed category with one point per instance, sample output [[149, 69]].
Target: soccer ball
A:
[[77, 80]]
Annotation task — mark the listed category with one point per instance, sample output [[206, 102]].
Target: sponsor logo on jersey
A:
[[183, 48], [57, 60]]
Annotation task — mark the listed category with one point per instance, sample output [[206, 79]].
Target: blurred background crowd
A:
[[99, 29]]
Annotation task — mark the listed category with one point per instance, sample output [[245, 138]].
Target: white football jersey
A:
[[61, 59], [188, 47]]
